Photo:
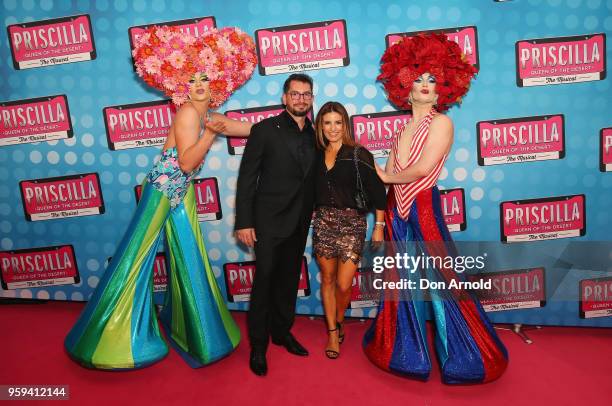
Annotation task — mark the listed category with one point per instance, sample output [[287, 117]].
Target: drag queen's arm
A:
[[437, 145], [233, 128], [388, 166], [191, 150], [390, 162]]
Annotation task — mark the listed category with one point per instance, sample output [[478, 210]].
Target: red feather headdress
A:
[[410, 57]]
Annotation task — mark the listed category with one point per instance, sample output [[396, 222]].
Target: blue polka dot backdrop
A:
[[104, 77]]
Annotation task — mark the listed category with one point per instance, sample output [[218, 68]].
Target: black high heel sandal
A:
[[340, 327], [332, 354]]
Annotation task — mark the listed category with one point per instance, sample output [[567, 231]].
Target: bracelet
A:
[[379, 223]]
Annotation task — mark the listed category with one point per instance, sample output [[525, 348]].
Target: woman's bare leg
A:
[[344, 283], [328, 268]]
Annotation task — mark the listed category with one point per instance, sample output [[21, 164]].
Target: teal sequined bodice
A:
[[168, 177]]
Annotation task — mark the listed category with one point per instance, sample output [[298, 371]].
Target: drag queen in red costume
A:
[[427, 74]]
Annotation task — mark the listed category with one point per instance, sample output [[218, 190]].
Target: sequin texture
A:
[[338, 233]]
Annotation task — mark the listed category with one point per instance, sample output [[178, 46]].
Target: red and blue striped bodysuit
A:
[[467, 346]]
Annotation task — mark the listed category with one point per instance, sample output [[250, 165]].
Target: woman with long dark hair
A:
[[339, 225]]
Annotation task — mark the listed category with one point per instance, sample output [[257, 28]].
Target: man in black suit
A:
[[274, 203]]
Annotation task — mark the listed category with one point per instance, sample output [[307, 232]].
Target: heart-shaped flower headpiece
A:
[[166, 59]]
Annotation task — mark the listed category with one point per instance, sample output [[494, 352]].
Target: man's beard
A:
[[296, 112]]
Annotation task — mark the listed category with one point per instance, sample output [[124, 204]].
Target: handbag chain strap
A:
[[356, 160]]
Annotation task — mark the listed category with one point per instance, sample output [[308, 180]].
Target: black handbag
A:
[[362, 202]]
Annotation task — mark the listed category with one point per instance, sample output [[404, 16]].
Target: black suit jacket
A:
[[275, 191]]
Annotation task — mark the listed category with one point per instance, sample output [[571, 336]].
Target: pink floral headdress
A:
[[167, 58]]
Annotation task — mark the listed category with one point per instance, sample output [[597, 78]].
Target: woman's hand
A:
[[377, 236]]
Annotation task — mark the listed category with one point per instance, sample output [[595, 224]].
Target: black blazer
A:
[[275, 191]]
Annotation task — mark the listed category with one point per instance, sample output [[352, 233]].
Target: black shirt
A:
[[301, 141], [337, 187]]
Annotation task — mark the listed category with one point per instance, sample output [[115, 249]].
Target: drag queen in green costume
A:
[[118, 328]]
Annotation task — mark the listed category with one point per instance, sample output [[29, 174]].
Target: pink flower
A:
[[228, 64], [176, 59], [207, 56], [182, 88], [152, 65], [164, 33], [176, 43], [179, 98], [142, 39], [163, 51], [246, 71], [225, 43], [189, 39], [170, 83]]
